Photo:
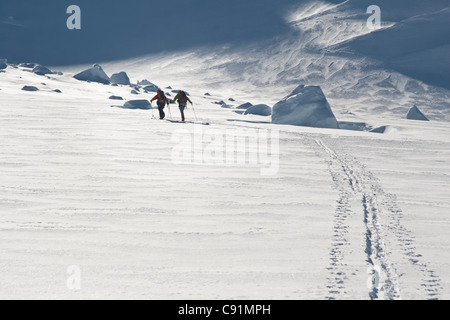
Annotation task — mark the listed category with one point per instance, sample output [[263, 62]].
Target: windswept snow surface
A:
[[95, 187], [98, 201]]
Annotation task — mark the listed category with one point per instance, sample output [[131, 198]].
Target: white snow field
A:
[[97, 203]]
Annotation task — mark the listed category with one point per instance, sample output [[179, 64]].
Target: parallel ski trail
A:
[[382, 220], [380, 214]]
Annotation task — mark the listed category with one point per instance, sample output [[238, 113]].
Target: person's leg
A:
[[182, 107], [162, 115]]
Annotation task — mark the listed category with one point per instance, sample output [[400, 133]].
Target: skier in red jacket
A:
[[162, 101]]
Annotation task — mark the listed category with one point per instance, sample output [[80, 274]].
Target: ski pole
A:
[[153, 112], [170, 112], [195, 114]]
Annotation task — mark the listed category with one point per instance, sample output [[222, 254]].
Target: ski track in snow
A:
[[382, 217], [383, 229]]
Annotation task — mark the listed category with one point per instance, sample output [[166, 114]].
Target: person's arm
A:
[[189, 100], [156, 97], [176, 98], [166, 100]]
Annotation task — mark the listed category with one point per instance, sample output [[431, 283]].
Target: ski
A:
[[189, 122]]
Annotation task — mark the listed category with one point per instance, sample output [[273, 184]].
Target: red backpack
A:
[[162, 98], [183, 97]]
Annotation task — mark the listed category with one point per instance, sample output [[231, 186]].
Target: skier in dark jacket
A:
[[162, 101], [182, 99]]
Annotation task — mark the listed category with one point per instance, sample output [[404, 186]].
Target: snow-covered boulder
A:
[[415, 114], [41, 70], [30, 88], [120, 78], [94, 74], [244, 106], [137, 104], [305, 106], [151, 88], [381, 129], [3, 64], [144, 82], [260, 110], [115, 98]]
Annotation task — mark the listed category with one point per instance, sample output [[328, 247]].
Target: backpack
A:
[[183, 97], [162, 99]]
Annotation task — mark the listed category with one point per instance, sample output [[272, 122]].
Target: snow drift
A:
[[94, 74], [305, 106]]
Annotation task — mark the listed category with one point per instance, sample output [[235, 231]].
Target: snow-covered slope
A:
[[97, 184], [418, 47], [88, 186], [313, 52]]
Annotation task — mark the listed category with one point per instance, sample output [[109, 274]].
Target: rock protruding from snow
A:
[[305, 106], [381, 129], [41, 70], [415, 114], [137, 104], [30, 88], [120, 78], [3, 64], [244, 106], [94, 74], [144, 82], [151, 88], [115, 98], [259, 110]]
